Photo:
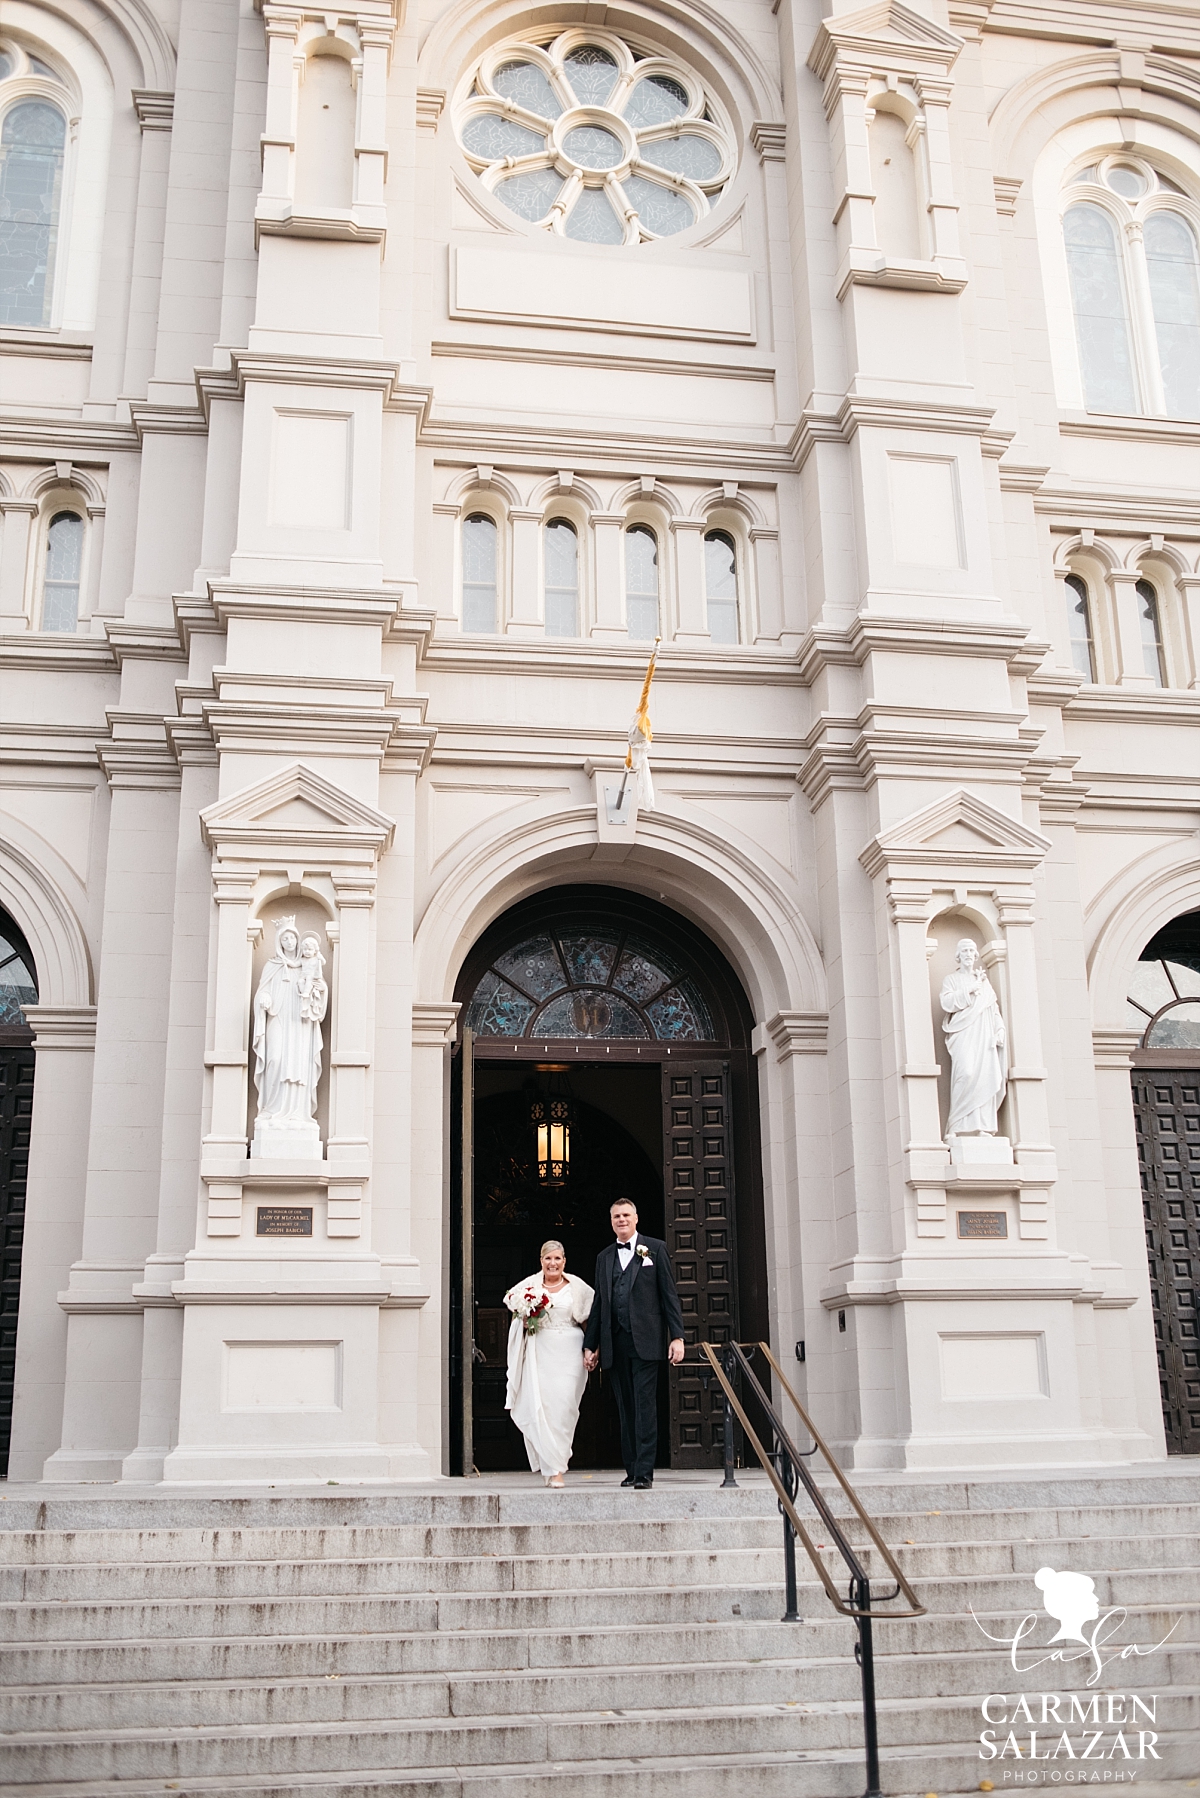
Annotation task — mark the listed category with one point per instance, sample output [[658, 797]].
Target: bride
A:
[[546, 1375]]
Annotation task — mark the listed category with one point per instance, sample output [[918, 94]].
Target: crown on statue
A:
[[287, 923]]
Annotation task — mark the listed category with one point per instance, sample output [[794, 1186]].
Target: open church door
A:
[[462, 1240]]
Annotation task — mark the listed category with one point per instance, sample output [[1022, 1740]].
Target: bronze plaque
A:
[[975, 1224], [284, 1220]]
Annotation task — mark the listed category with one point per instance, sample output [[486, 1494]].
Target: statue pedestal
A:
[[275, 1140], [980, 1151]]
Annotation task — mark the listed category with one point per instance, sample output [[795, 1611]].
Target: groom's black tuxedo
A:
[[635, 1314], [654, 1315]]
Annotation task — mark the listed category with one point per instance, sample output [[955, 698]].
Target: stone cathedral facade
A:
[[378, 385]]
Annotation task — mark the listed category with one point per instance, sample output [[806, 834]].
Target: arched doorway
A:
[[18, 987], [603, 1011], [1164, 1002]]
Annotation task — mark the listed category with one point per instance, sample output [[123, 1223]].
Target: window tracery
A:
[[1133, 260], [607, 984], [591, 137]]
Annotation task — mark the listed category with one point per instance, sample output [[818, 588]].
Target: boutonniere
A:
[[644, 1255]]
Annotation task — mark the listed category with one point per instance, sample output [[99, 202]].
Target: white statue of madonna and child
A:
[[975, 1039], [290, 1003]]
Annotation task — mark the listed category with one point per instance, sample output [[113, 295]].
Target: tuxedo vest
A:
[[622, 1287]]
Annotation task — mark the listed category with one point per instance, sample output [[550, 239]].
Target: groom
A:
[[635, 1323]]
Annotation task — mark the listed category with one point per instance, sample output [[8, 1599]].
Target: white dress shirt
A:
[[625, 1251]]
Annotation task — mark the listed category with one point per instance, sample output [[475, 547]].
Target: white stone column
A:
[[17, 517], [64, 1041], [764, 546], [1189, 600]]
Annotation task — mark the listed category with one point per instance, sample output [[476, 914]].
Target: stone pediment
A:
[[888, 37], [297, 809], [960, 831]]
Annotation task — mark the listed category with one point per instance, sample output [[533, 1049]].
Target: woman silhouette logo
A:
[[1070, 1598]]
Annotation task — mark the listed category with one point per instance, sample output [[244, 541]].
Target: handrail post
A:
[[730, 1366], [864, 1654], [792, 1613]]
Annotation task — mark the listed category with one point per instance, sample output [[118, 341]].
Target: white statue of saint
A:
[[289, 1006], [975, 1038]]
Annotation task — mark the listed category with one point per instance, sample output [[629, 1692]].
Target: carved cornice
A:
[[796, 1033], [431, 103], [769, 138], [975, 837], [433, 1024], [69, 1028], [154, 110], [1113, 1050], [827, 645], [143, 642]]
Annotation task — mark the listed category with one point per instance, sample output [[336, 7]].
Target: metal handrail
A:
[[785, 1467]]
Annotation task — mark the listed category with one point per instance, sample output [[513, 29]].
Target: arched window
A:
[[1151, 628], [64, 561], [641, 583], [1170, 246], [894, 177], [1079, 618], [561, 557], [1164, 994], [721, 586], [1134, 263], [31, 165], [18, 978], [479, 573]]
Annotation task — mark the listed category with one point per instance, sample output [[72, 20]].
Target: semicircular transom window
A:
[[608, 984], [1164, 995], [590, 136], [18, 981]]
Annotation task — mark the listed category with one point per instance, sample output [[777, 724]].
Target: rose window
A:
[[594, 139]]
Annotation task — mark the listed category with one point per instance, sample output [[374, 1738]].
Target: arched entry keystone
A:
[[588, 989]]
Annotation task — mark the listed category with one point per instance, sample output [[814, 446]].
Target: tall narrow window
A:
[[721, 586], [64, 558], [479, 573], [561, 553], [1175, 296], [31, 165], [1101, 314], [641, 584], [1079, 617], [1152, 650]]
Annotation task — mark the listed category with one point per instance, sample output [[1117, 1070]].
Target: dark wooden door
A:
[[16, 1110], [698, 1176], [1166, 1103]]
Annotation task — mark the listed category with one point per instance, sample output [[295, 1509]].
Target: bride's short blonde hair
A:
[[552, 1245]]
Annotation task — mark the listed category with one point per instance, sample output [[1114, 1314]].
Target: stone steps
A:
[[449, 1643]]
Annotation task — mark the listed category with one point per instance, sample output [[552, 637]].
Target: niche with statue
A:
[[972, 1040], [289, 1034]]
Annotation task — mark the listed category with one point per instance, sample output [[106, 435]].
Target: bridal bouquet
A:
[[531, 1308]]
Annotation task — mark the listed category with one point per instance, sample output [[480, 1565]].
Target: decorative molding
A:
[[1006, 189], [297, 810], [433, 1023], [143, 642], [890, 38], [431, 103], [769, 139], [65, 346], [1114, 1049], [794, 1033], [974, 836], [154, 110], [338, 225], [62, 1028], [870, 633], [35, 652]]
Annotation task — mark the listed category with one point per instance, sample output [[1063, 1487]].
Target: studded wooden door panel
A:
[[1166, 1103], [698, 1168], [16, 1110]]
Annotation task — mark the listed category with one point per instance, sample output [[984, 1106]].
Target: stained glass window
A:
[[18, 982], [64, 560], [615, 986], [599, 127], [1164, 994], [641, 583], [31, 166], [479, 573], [721, 586], [1079, 617], [1134, 266], [562, 578]]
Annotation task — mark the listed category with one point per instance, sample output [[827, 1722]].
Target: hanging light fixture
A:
[[550, 1115]]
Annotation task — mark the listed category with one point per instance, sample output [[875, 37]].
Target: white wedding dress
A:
[[546, 1375]]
